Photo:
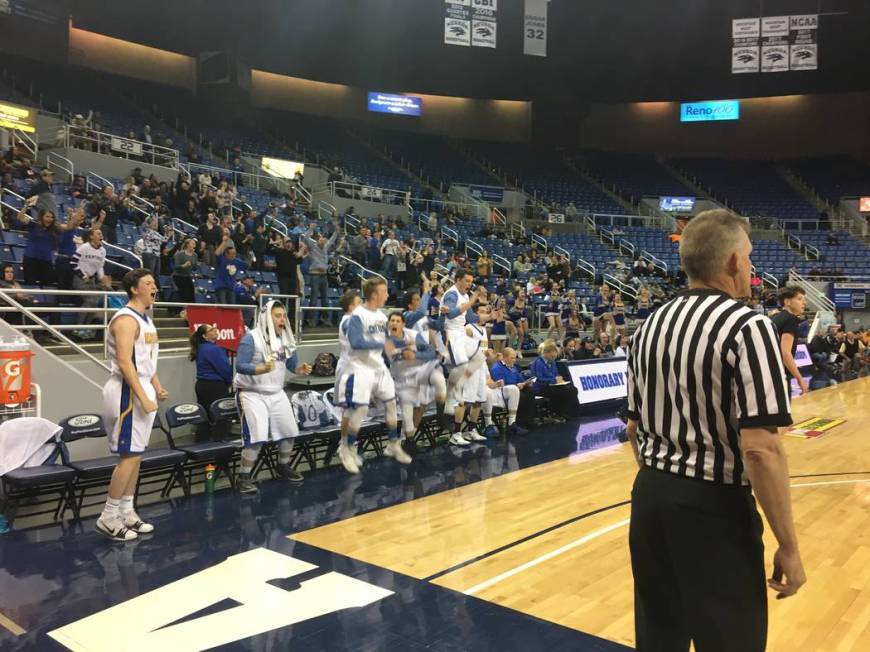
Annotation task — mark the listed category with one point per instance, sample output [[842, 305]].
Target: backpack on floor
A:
[[529, 343], [324, 364]]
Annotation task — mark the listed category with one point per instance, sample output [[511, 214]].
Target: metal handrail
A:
[[627, 290], [606, 236], [501, 261], [125, 252], [517, 226], [21, 137], [562, 252], [589, 221], [190, 226], [450, 233], [383, 195], [810, 249], [365, 269], [60, 163], [657, 262], [587, 267], [89, 183], [625, 245], [76, 136], [792, 239], [501, 218], [474, 246], [770, 279], [541, 240], [350, 220], [323, 205], [814, 297]]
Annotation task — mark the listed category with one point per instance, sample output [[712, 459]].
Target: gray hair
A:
[[708, 241]]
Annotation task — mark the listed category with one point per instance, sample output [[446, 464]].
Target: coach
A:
[[706, 394]]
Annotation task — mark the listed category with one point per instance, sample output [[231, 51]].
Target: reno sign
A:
[[709, 111]]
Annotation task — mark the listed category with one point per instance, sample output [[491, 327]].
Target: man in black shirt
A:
[[787, 321]]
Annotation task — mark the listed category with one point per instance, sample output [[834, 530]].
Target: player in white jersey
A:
[[130, 402], [412, 367], [265, 354], [348, 302], [365, 377], [433, 386], [474, 387]]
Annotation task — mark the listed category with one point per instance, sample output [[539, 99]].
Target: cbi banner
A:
[[774, 43], [457, 22], [483, 23], [803, 42], [535, 28], [745, 54]]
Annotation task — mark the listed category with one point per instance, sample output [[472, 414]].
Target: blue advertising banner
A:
[[395, 104], [710, 111], [492, 194], [850, 295]]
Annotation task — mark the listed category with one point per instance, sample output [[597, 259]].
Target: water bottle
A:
[[209, 478]]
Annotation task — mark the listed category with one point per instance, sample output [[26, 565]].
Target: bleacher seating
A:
[[634, 176], [834, 177], [850, 254]]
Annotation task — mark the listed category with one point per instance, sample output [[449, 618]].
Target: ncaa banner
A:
[[745, 53], [483, 23], [535, 28], [774, 43], [803, 42], [457, 22]]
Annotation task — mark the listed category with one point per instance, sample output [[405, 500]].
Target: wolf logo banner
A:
[[457, 22], [803, 46], [483, 23], [774, 43], [745, 53]]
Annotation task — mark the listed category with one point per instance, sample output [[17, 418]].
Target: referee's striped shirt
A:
[[699, 369]]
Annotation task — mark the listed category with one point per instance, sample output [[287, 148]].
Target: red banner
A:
[[228, 321]]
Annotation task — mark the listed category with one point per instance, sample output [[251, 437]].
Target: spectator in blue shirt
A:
[[43, 236], [548, 382], [506, 370], [228, 269], [214, 375]]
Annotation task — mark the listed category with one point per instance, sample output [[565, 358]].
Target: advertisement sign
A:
[[395, 104], [710, 111], [774, 43], [228, 321], [599, 380], [803, 45], [15, 116], [535, 28], [864, 204], [493, 194], [280, 168], [125, 146], [745, 53], [677, 204], [457, 22]]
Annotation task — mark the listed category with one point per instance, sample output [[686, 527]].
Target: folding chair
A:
[[202, 453], [44, 480], [226, 410]]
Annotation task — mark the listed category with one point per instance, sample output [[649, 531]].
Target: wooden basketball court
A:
[[552, 540]]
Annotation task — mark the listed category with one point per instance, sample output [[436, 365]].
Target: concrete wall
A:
[[109, 166], [361, 207], [112, 55], [459, 117], [769, 127]]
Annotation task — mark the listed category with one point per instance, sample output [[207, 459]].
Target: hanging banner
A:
[[774, 43], [457, 22], [228, 321], [745, 33], [483, 23], [535, 28], [803, 43]]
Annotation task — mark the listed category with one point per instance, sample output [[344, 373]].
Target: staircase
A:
[[610, 192], [803, 189], [405, 168]]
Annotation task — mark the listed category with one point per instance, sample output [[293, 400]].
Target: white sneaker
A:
[[458, 440], [132, 521], [394, 449], [348, 458], [115, 529], [359, 458], [471, 435]]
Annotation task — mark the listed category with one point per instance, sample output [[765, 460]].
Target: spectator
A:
[[288, 257], [246, 293], [43, 235], [228, 266], [357, 244], [108, 202], [569, 349], [88, 263], [506, 370], [620, 348], [8, 282], [484, 265], [389, 255], [587, 350], [548, 382], [852, 352], [185, 263], [66, 248], [44, 193], [319, 258], [259, 246], [432, 222], [152, 240], [214, 375], [210, 236]]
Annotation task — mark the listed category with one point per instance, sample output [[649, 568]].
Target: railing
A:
[[658, 263], [501, 261], [589, 222], [792, 241], [541, 240], [326, 206], [364, 270], [606, 236], [815, 298], [89, 181], [62, 163], [186, 228], [587, 267], [242, 179], [465, 209], [623, 289], [447, 232], [5, 204], [351, 221], [810, 249], [562, 252], [626, 247], [500, 217], [476, 248], [20, 138], [119, 146], [609, 219], [124, 252], [517, 229], [770, 279], [364, 192]]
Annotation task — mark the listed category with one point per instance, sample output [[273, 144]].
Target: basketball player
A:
[[474, 388], [130, 402], [415, 362], [433, 386], [365, 376], [264, 354], [348, 302]]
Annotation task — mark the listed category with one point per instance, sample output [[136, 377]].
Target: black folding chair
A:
[[46, 479], [225, 410], [201, 453]]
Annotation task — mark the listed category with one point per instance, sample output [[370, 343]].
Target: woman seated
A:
[[548, 382]]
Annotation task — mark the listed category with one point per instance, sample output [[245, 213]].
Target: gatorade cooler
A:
[[15, 372]]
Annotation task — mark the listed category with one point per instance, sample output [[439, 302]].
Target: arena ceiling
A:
[[601, 51]]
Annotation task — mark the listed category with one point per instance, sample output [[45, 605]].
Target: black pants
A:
[[207, 392], [526, 408], [38, 272], [289, 285], [698, 564], [184, 285], [563, 399]]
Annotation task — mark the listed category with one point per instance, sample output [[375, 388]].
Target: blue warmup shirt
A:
[[222, 279], [245, 357], [544, 372], [40, 243], [212, 363], [510, 375]]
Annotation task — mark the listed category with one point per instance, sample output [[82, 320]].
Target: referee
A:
[[706, 394]]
